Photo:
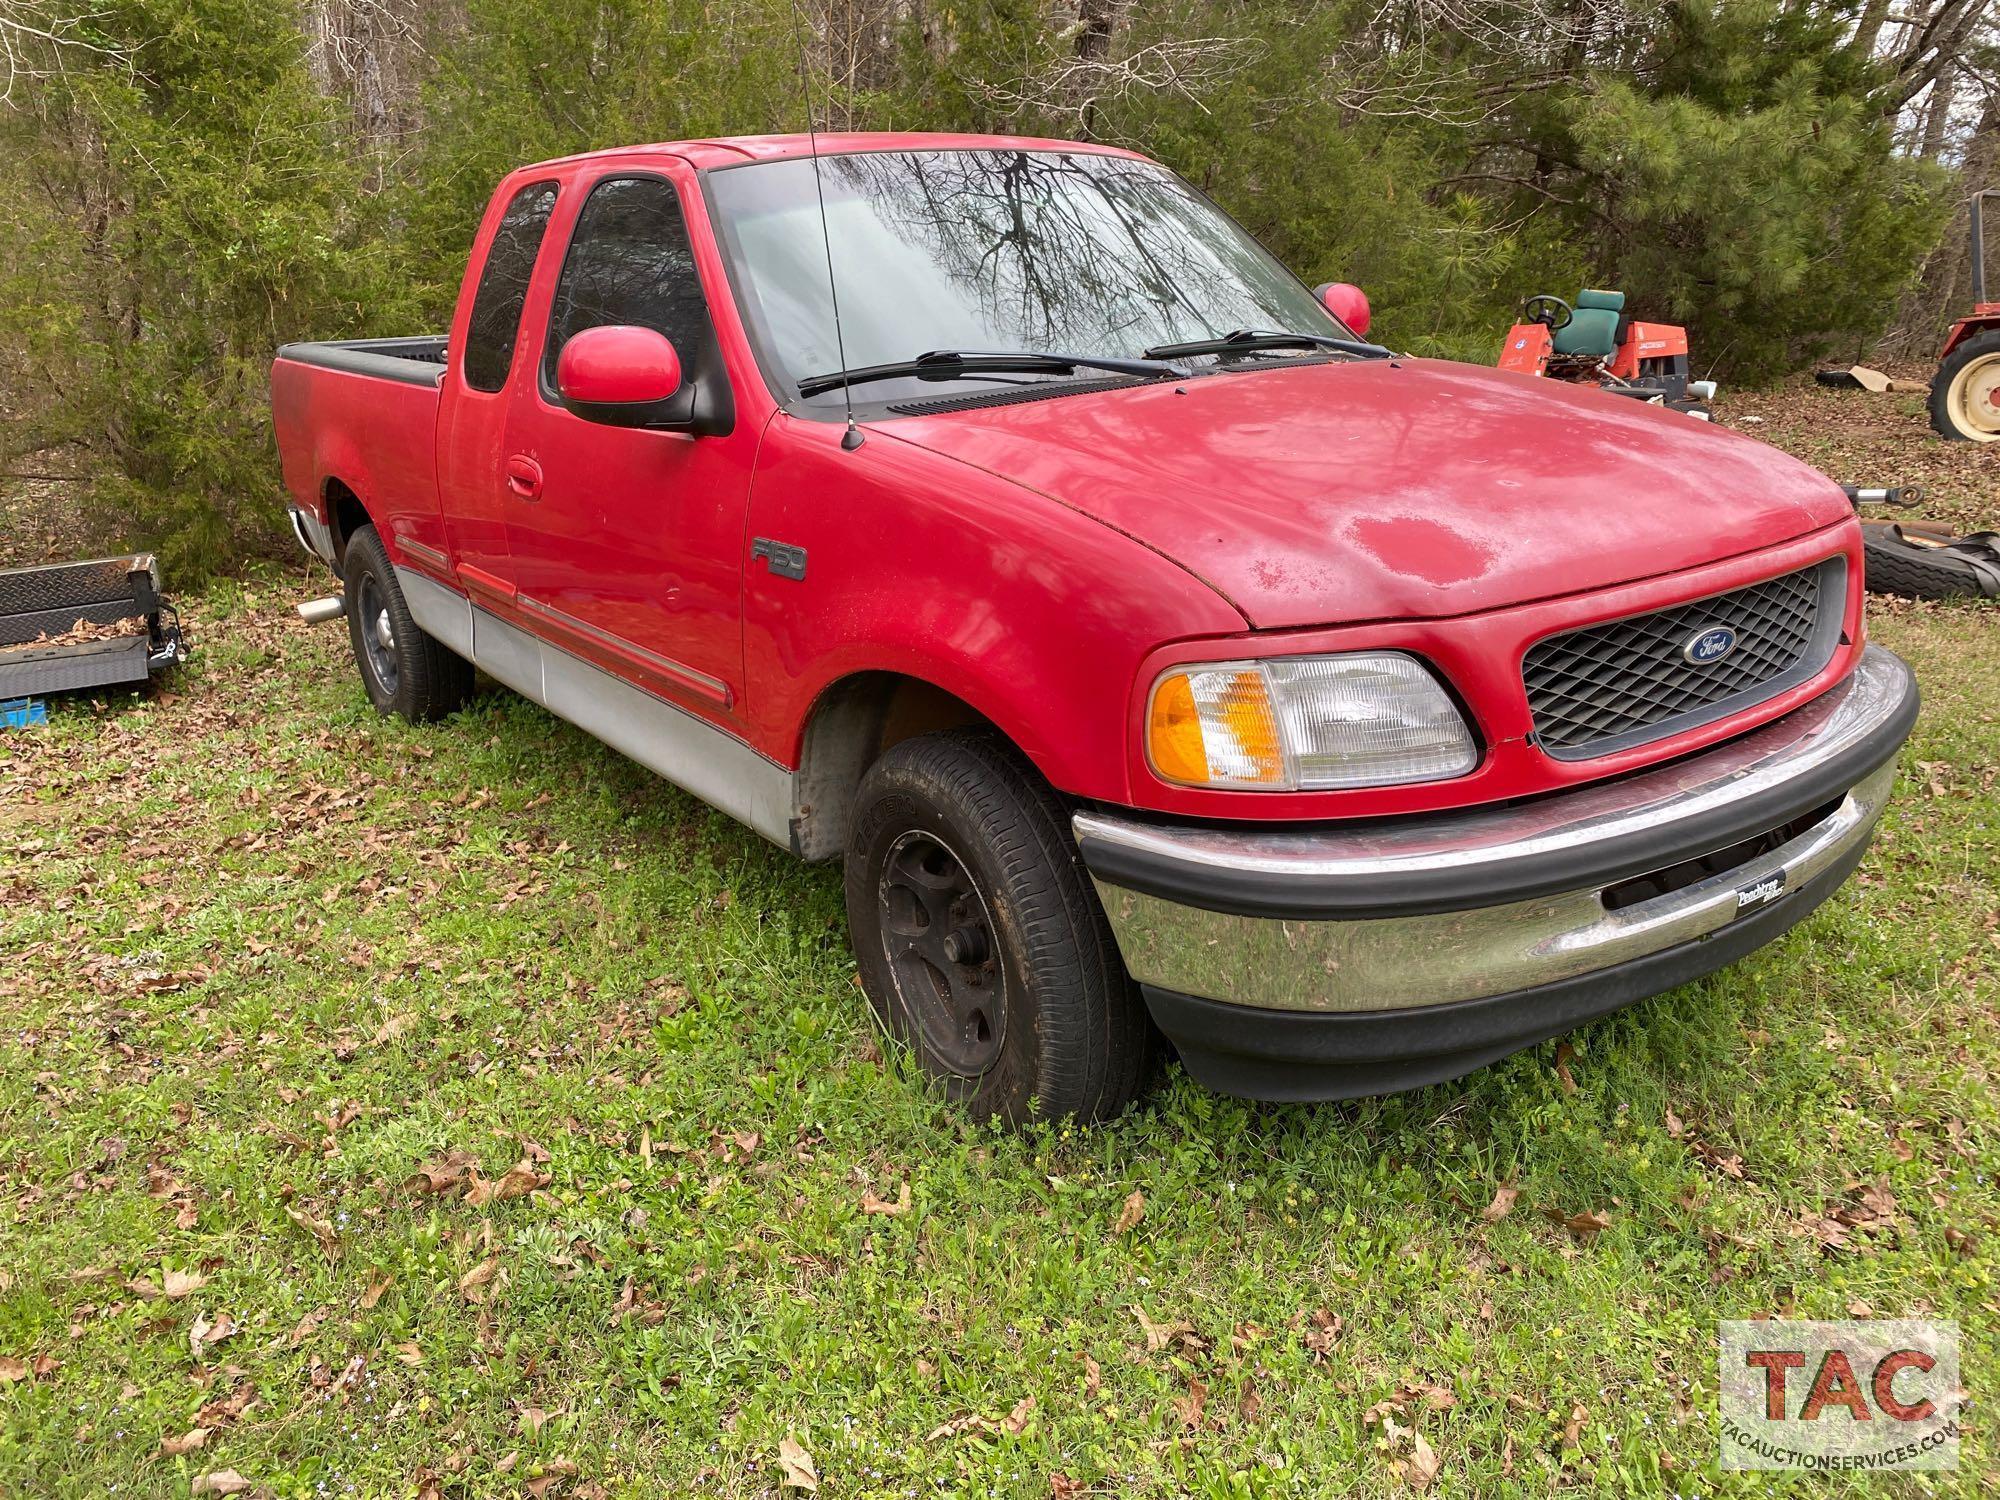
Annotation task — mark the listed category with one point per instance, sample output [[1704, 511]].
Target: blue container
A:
[[23, 713]]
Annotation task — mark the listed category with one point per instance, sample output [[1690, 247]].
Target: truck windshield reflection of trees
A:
[[1076, 253], [990, 252]]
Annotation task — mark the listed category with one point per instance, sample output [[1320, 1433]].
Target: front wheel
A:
[[405, 671], [980, 942], [1965, 396]]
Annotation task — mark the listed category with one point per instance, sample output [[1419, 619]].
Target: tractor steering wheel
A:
[[1553, 311]]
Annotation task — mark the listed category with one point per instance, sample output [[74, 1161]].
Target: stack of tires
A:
[[1921, 560]]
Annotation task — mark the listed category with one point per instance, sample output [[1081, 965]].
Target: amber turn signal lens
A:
[[1215, 727], [1174, 735]]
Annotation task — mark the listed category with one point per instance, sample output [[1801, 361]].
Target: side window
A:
[[503, 286], [630, 262]]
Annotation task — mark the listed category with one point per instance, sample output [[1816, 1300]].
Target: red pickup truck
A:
[[1159, 655]]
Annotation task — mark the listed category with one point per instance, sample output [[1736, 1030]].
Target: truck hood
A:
[[1333, 493]]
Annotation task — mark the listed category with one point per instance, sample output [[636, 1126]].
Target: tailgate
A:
[[72, 626]]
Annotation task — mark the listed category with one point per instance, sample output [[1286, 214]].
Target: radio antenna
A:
[[853, 437]]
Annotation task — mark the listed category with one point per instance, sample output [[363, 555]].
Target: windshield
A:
[[994, 251]]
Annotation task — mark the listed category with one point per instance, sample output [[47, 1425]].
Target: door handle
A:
[[524, 476]]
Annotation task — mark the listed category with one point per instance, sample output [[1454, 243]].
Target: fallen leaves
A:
[[1322, 1330], [795, 1466], [41, 1367], [1131, 1214], [633, 1303], [484, 1279], [456, 1175], [319, 1229], [1161, 1336], [1013, 1424], [1502, 1204], [220, 1482], [1585, 1226], [179, 1284], [1564, 1052], [517, 1182], [187, 1442], [1421, 1467], [205, 1333], [870, 1204]]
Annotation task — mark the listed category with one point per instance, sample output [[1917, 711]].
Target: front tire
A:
[[1965, 396], [980, 942], [404, 670]]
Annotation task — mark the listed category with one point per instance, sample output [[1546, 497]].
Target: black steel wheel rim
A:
[[378, 636], [942, 952]]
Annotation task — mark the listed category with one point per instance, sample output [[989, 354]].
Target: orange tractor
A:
[[1594, 343], [1965, 393]]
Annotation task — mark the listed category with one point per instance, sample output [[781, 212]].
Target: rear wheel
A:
[[980, 942], [1965, 396], [405, 671]]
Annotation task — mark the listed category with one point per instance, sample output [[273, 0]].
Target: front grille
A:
[[1608, 687]]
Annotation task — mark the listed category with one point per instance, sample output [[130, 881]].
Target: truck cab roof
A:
[[736, 150]]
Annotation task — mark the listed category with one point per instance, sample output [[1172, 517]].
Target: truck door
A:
[[475, 489], [630, 554]]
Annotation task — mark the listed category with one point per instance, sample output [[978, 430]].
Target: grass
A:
[[264, 956]]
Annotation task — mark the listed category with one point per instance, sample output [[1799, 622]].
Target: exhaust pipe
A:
[[319, 611]]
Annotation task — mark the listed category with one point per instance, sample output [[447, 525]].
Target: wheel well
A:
[[852, 723], [345, 515]]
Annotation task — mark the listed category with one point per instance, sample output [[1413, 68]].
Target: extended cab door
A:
[[473, 483], [630, 554]]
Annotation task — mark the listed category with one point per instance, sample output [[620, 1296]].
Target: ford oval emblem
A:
[[1707, 647]]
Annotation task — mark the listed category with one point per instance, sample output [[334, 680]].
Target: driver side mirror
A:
[[621, 376], [1345, 301]]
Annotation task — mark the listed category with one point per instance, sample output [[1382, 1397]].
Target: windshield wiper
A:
[[1250, 340], [954, 364]]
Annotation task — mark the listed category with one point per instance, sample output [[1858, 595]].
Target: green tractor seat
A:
[[1593, 329]]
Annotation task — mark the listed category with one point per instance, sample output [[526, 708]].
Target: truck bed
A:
[[414, 361]]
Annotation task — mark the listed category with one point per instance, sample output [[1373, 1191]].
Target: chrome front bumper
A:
[[1424, 915]]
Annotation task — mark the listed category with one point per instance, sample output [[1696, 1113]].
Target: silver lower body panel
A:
[[665, 738]]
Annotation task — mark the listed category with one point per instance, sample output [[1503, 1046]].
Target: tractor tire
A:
[[404, 671], [979, 938], [1912, 570], [1965, 395]]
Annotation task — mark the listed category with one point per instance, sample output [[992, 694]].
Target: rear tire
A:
[[1965, 396], [980, 941], [404, 671]]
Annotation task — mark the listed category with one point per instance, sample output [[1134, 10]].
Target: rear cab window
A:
[[495, 325]]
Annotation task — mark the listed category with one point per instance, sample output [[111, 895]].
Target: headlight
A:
[[1306, 723]]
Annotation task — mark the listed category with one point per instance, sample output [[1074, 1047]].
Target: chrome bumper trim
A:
[[1522, 936], [1392, 963], [1534, 848], [312, 534]]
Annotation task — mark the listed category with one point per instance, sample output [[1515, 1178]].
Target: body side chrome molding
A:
[[430, 556], [680, 746], [682, 676]]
